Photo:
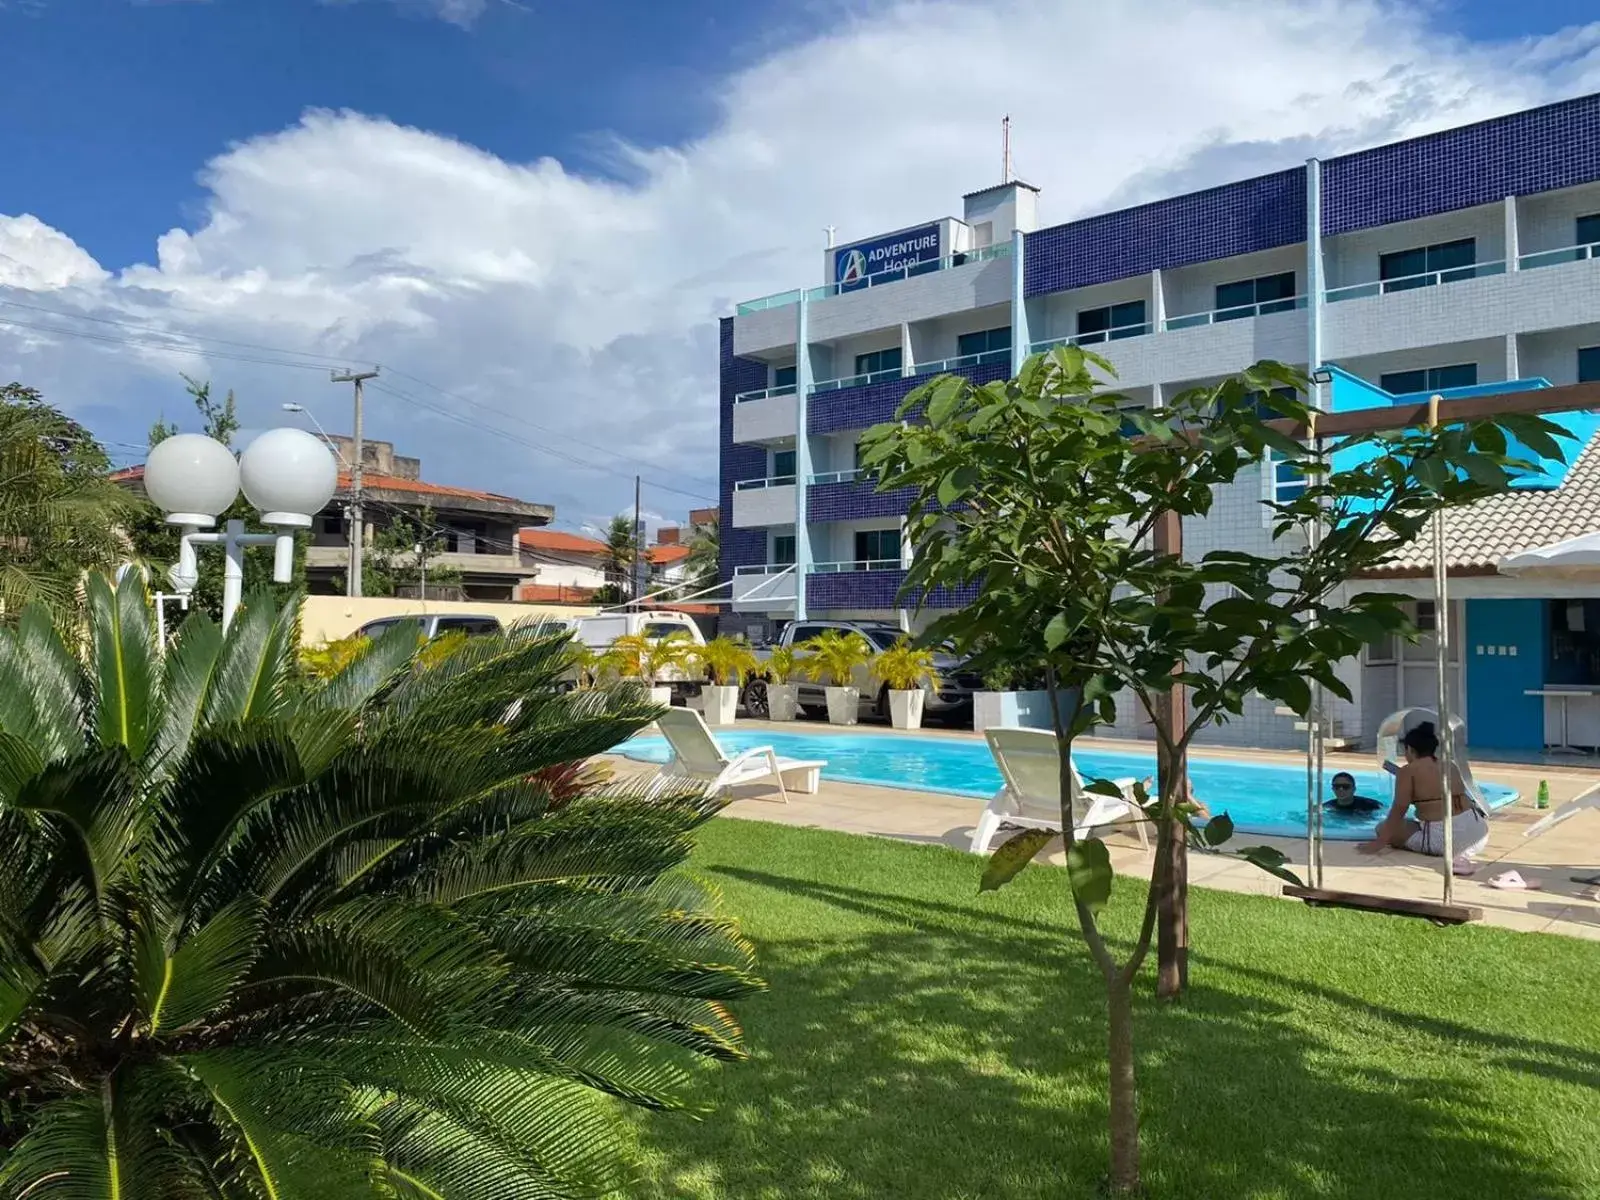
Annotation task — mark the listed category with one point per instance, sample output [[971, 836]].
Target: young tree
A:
[[402, 557], [1046, 493], [705, 551], [59, 513]]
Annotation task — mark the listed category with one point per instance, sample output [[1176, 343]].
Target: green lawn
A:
[[922, 1041]]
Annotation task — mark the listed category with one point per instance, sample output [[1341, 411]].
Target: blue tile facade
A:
[[1237, 218], [873, 403], [738, 547], [1539, 150], [852, 501], [873, 589]]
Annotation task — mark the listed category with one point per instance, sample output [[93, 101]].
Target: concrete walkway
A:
[[1558, 906]]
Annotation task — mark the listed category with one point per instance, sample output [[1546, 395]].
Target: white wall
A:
[[937, 339], [1193, 289], [764, 420], [1549, 221], [1554, 355], [1490, 355], [1352, 258]]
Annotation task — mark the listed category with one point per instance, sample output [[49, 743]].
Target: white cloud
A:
[[587, 306], [458, 12]]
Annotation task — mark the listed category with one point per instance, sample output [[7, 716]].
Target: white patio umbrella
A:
[[1572, 560]]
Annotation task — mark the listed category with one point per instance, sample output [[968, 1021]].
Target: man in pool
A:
[[1345, 798]]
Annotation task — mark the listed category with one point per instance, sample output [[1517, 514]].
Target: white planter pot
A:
[[718, 704], [783, 701], [1012, 710], [905, 709], [844, 705], [661, 694]]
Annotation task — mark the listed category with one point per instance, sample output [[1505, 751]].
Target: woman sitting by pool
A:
[[1417, 786]]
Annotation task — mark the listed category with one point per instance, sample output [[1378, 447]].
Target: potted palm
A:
[[1014, 696], [725, 662], [833, 657], [783, 697], [905, 670], [634, 656]]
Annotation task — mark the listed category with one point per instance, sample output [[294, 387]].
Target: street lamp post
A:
[[286, 473]]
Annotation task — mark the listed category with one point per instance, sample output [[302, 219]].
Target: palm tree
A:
[[705, 552], [263, 935], [623, 549], [59, 513]]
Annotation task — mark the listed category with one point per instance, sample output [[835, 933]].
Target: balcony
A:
[[760, 502], [764, 587], [812, 295], [1241, 313], [338, 558], [1409, 283], [862, 405], [766, 415], [871, 585], [852, 495], [1552, 258], [1117, 333]]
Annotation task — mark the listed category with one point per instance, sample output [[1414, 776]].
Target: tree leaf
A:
[[1217, 830], [1270, 859], [1015, 853], [1089, 869], [1056, 631]]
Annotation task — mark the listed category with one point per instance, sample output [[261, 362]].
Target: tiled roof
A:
[[370, 480], [1480, 535], [555, 539], [661, 555]]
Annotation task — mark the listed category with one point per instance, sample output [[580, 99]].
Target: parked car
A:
[[952, 698], [600, 631], [431, 625]]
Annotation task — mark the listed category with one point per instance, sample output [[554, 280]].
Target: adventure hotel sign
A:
[[911, 252]]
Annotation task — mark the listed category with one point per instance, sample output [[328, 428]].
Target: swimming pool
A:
[[1261, 797]]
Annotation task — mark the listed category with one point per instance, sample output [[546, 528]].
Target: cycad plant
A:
[[314, 940], [726, 662], [833, 655]]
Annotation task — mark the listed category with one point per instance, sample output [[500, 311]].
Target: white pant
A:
[[1469, 834]]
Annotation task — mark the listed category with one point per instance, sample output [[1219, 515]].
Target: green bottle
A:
[[1544, 793]]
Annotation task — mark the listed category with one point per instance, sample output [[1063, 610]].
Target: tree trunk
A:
[[1172, 876], [1124, 1097]]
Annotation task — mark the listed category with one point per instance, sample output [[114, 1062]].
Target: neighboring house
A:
[[479, 529], [1459, 259], [557, 565], [668, 558]]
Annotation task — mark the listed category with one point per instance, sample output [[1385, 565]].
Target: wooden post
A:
[[1172, 875]]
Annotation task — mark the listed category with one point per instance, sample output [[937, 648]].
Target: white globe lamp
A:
[[191, 478], [289, 476]]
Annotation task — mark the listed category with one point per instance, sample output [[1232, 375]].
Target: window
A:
[[1427, 616], [783, 377], [471, 626], [1424, 266], [1589, 229], [1272, 293], [1589, 364], [877, 546], [801, 634], [987, 341], [879, 362], [1112, 322], [783, 549], [330, 523], [783, 465], [1431, 379]]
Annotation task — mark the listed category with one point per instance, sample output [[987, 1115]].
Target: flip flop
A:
[[1511, 881], [1591, 879]]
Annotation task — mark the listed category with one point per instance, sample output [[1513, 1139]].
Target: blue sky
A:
[[157, 88], [532, 212]]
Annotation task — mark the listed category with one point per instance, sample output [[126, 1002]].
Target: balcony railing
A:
[[785, 389], [1550, 258], [860, 564], [833, 385], [772, 481], [1116, 334], [962, 259], [764, 569], [963, 360], [1237, 313], [1406, 283], [838, 476]]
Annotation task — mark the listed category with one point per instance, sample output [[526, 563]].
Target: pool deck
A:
[[1558, 906]]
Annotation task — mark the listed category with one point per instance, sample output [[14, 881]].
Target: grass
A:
[[922, 1041]]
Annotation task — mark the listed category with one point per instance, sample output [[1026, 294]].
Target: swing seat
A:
[[1431, 910]]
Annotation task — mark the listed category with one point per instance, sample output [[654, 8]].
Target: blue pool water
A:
[[1261, 797]]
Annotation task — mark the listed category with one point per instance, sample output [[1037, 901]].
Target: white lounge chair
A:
[[1030, 764], [696, 755]]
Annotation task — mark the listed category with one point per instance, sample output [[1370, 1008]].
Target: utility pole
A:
[[357, 532], [638, 545], [1005, 149]]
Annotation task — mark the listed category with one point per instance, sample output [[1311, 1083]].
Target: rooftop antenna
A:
[[828, 229], [1005, 149]]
